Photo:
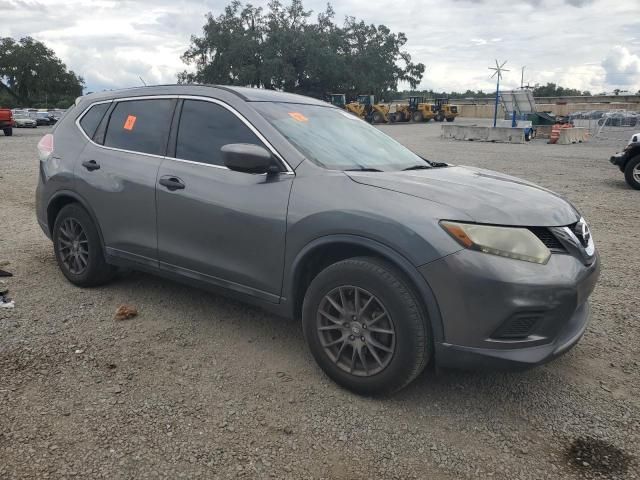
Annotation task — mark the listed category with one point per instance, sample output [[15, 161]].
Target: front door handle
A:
[[172, 183], [91, 165]]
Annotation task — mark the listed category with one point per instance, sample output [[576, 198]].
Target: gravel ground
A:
[[199, 386]]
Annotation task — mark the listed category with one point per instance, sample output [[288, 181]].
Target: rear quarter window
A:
[[140, 125], [91, 119]]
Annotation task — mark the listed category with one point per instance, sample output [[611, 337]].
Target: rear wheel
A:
[[417, 116], [377, 117], [632, 172], [78, 248], [450, 119], [365, 327], [8, 131]]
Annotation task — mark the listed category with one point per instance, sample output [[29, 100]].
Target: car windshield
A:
[[337, 140]]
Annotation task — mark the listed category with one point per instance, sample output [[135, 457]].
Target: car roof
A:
[[248, 94]]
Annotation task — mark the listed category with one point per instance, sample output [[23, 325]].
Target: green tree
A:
[[284, 49], [553, 90], [31, 74]]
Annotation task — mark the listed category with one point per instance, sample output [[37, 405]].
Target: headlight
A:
[[510, 242]]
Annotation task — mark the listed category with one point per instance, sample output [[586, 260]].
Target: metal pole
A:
[[522, 79], [495, 112]]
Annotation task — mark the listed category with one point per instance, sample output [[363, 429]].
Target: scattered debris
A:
[[79, 351], [598, 456], [6, 302], [4, 273], [125, 312], [10, 304]]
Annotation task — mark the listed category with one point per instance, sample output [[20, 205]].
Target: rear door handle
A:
[[91, 165], [172, 183]]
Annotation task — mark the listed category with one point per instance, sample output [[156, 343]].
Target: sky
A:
[[586, 44]]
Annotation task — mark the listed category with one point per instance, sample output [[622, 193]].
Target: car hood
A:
[[483, 195]]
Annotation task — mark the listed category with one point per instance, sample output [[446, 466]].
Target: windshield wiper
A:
[[438, 164], [416, 167], [363, 169]]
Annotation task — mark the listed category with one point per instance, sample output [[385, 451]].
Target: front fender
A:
[[295, 267]]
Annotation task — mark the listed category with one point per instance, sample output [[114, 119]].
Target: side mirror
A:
[[248, 158]]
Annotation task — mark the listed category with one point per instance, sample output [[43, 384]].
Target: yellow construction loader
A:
[[445, 111], [338, 99], [366, 108], [417, 110]]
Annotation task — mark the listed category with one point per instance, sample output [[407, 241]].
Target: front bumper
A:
[[619, 160], [503, 313]]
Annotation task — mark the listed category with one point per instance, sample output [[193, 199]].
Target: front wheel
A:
[[78, 248], [8, 131], [377, 117], [632, 172], [365, 327], [417, 116]]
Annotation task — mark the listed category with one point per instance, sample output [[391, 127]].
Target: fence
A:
[[611, 127]]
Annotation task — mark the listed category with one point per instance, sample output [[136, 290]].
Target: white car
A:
[[24, 121]]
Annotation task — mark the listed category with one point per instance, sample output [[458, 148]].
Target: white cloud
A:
[[622, 67], [573, 43]]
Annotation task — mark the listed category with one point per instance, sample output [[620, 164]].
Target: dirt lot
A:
[[198, 386]]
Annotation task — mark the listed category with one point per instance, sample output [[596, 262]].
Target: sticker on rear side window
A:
[[298, 117], [130, 122]]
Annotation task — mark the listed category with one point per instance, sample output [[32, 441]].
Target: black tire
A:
[[8, 131], [393, 117], [94, 270], [632, 172], [411, 342], [451, 119], [377, 117], [417, 116]]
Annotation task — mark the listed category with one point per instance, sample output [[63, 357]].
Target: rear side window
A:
[[91, 119], [205, 128], [140, 125]]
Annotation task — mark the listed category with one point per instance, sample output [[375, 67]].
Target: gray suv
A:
[[391, 261]]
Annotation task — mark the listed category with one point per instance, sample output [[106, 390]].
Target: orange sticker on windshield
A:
[[130, 122], [298, 117]]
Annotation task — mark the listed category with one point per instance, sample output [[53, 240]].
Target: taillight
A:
[[45, 147]]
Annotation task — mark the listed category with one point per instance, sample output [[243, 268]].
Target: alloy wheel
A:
[[356, 331], [73, 246]]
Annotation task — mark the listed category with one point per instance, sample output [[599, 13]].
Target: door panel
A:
[[122, 195], [119, 179], [225, 225]]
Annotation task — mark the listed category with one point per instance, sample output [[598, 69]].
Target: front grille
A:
[[518, 326], [548, 238]]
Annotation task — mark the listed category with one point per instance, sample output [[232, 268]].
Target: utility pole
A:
[[522, 79]]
